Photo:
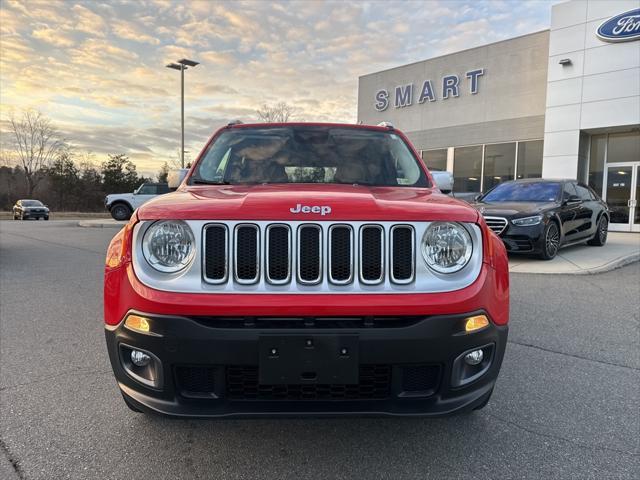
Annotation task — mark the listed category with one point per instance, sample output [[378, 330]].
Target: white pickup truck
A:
[[122, 205]]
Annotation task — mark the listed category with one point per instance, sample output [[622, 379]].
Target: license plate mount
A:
[[308, 359]]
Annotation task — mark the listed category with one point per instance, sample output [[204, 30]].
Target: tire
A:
[[550, 241], [600, 237], [131, 406], [121, 211], [484, 402], [15, 217], [46, 218]]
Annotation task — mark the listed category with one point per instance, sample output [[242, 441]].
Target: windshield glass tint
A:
[[31, 203], [309, 155], [524, 192]]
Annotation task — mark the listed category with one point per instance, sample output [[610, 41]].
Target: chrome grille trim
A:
[[193, 278], [320, 254], [329, 254], [267, 256], [245, 281], [361, 250], [225, 278], [497, 224], [410, 279]]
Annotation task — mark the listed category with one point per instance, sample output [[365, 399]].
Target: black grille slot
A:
[[402, 254], [309, 258], [216, 253], [341, 263], [307, 322], [371, 256], [246, 253], [278, 254], [420, 379], [374, 384], [199, 381]]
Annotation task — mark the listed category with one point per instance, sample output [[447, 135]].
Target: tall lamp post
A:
[[182, 65]]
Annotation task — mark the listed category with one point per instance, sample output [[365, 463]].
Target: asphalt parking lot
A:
[[565, 406]]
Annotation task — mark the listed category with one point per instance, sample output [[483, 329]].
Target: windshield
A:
[[303, 154], [31, 203], [524, 192]]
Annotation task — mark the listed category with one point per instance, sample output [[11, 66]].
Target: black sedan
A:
[[25, 209], [541, 216]]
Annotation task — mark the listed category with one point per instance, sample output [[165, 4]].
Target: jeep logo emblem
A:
[[321, 209]]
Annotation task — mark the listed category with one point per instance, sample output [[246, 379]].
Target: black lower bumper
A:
[[214, 367], [523, 239]]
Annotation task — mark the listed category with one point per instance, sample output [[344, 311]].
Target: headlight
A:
[[527, 221], [446, 247], [169, 246]]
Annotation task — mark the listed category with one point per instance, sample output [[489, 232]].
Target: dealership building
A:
[[560, 103]]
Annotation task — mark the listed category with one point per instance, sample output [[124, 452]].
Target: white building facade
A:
[[561, 103]]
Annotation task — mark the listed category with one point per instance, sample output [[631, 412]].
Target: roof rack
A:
[[386, 125]]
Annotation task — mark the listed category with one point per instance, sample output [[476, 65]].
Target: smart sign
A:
[[406, 95], [621, 28]]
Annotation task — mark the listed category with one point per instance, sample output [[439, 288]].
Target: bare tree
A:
[[279, 113], [37, 143]]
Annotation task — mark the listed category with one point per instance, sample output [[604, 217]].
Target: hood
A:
[[297, 202], [120, 196], [508, 209]]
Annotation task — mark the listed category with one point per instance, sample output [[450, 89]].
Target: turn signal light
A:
[[137, 323], [476, 322]]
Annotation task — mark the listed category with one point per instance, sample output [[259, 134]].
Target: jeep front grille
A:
[[308, 254]]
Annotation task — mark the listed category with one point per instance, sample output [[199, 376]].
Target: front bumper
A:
[[527, 239], [209, 366]]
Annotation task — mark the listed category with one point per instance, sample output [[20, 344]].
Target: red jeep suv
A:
[[306, 269]]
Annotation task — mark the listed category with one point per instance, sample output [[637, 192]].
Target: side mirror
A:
[[175, 177], [444, 181], [477, 197], [572, 200]]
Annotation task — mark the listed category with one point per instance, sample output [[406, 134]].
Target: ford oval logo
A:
[[621, 28]]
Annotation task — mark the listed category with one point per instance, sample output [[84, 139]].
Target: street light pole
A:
[[182, 65], [182, 113]]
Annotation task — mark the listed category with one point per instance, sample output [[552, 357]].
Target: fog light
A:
[[476, 322], [141, 359], [137, 323], [471, 358]]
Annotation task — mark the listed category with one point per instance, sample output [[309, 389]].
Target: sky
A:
[[97, 69]]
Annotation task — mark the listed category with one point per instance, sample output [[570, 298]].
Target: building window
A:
[[499, 164], [467, 169], [530, 159], [596, 162], [623, 147], [435, 159]]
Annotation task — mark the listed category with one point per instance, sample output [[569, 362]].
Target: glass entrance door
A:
[[622, 192]]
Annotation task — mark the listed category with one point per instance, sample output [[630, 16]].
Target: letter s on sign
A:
[[382, 100]]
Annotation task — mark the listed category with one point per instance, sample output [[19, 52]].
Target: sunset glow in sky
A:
[[97, 69]]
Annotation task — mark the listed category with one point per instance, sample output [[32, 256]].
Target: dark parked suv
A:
[[541, 216], [26, 209]]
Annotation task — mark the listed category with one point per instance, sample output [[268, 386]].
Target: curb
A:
[[100, 224], [607, 267]]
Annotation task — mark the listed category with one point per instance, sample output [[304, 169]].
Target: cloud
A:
[[130, 31], [53, 36], [98, 69], [88, 22]]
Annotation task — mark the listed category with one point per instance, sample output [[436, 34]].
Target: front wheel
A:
[[600, 237], [121, 211], [551, 241]]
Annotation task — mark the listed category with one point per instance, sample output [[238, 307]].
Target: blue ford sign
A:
[[621, 28]]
